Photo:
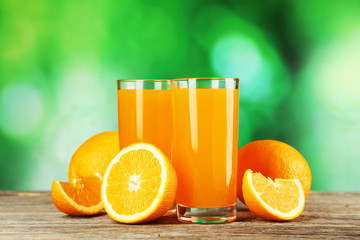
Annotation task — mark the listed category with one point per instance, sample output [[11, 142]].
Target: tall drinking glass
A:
[[205, 130], [144, 114]]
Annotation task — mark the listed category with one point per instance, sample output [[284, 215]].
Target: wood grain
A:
[[31, 215]]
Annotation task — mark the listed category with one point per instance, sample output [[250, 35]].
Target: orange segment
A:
[[280, 200], [139, 184], [80, 197]]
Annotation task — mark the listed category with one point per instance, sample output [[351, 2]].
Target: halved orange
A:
[[139, 184], [278, 200], [80, 197]]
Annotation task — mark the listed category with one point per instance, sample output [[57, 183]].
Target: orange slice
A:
[[139, 184], [80, 197], [279, 200]]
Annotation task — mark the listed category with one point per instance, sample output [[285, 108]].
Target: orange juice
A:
[[205, 146], [144, 115]]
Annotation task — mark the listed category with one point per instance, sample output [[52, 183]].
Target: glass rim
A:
[[156, 84], [206, 78], [142, 79]]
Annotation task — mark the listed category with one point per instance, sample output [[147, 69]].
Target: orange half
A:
[[139, 184], [278, 200]]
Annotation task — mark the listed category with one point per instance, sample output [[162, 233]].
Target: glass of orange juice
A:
[[205, 130], [144, 114]]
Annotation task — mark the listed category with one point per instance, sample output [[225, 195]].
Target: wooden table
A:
[[32, 215]]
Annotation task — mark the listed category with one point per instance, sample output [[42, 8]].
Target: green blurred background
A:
[[298, 61]]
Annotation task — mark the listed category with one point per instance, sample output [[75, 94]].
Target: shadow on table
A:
[[171, 219], [243, 215], [100, 214], [247, 216]]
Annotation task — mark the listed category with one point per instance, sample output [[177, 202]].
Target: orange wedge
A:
[[278, 200], [139, 184], [79, 198]]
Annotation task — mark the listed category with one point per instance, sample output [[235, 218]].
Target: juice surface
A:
[[205, 146], [144, 115]]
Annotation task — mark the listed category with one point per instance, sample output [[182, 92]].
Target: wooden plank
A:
[[22, 193], [34, 216]]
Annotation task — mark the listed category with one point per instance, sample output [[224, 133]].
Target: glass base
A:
[[206, 215]]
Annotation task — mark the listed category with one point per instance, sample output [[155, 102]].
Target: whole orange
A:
[[94, 155], [273, 159]]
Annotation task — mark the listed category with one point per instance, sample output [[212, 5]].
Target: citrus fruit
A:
[[78, 198], [139, 184], [278, 200], [94, 155], [81, 195], [273, 159]]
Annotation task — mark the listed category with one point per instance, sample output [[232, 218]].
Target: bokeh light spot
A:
[[238, 56], [337, 77], [21, 108]]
